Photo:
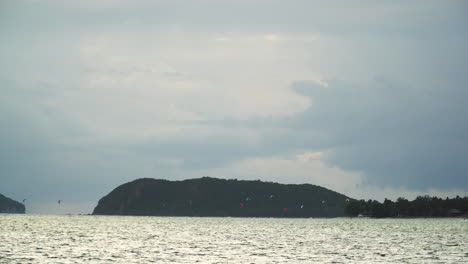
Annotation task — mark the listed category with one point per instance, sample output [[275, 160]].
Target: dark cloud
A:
[[398, 135]]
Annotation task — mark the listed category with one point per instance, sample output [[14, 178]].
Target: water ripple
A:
[[105, 239]]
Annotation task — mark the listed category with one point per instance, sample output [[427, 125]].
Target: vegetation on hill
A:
[[8, 205], [422, 206], [219, 197]]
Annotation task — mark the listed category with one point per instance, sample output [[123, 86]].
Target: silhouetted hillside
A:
[[218, 197], [10, 206]]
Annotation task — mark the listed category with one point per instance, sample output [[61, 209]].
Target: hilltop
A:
[[219, 197], [11, 206]]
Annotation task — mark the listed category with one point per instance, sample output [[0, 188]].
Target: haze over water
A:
[[117, 239]]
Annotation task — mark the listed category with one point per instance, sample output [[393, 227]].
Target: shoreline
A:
[[252, 217]]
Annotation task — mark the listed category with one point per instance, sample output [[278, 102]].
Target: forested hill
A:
[[422, 206], [219, 197], [8, 205]]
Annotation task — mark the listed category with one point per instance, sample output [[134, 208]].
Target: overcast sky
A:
[[368, 98]]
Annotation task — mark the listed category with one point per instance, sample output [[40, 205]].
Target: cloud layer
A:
[[366, 99]]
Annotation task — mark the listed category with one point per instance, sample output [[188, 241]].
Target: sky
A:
[[367, 98]]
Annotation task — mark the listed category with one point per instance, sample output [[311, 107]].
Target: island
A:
[[10, 206], [208, 196]]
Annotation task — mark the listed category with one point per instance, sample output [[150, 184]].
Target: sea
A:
[[128, 239]]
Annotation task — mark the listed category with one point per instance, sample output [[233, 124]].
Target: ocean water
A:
[[126, 239]]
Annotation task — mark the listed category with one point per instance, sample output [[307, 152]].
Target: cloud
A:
[[368, 96], [195, 78], [397, 135], [313, 168]]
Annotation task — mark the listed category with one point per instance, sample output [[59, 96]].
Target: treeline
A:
[[422, 206]]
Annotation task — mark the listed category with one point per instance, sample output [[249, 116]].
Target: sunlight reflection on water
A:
[[118, 239]]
